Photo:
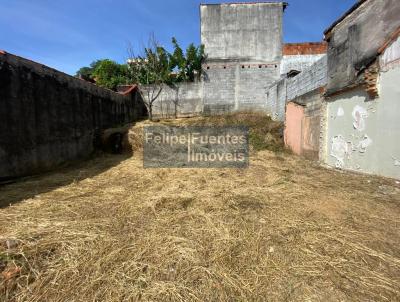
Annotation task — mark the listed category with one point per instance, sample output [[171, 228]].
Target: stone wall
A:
[[49, 118]]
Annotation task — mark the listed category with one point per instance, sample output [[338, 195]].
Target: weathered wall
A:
[[363, 134], [311, 78], [302, 124], [251, 31], [355, 41], [276, 100], [181, 100], [287, 89], [235, 86], [293, 129], [301, 56], [243, 43], [304, 48], [299, 62], [49, 118]]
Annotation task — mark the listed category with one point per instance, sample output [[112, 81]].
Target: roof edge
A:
[[389, 41], [305, 43], [283, 3], [344, 16]]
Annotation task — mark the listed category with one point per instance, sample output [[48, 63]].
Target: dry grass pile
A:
[[264, 133], [282, 230]]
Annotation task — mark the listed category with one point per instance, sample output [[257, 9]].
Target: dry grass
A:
[[282, 230]]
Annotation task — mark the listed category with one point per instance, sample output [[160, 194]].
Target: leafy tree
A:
[[188, 65], [151, 71], [157, 67], [194, 59], [178, 61], [86, 73], [110, 74]]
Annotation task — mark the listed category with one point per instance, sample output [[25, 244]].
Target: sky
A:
[[69, 34]]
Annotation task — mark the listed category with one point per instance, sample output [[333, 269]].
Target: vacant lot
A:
[[282, 230]]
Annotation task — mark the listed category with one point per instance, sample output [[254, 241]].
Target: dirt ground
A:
[[284, 229]]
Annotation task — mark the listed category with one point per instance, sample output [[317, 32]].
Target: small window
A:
[[208, 67], [259, 66], [242, 66]]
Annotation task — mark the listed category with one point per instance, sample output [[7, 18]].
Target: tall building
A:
[[243, 43]]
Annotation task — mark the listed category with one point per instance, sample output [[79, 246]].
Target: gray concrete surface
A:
[[49, 118], [249, 32]]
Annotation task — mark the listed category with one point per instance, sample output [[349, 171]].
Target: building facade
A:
[[361, 117]]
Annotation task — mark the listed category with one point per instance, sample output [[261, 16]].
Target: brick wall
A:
[[312, 48]]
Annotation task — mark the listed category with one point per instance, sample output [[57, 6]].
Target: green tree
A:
[[151, 71], [157, 67], [178, 61], [187, 65], [110, 74], [86, 73]]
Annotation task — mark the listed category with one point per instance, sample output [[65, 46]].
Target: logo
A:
[[196, 147]]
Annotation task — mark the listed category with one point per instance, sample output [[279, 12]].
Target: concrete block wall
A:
[[299, 62], [276, 100], [49, 118], [219, 88], [253, 83], [311, 78], [224, 88], [243, 43], [287, 89], [237, 87], [179, 100]]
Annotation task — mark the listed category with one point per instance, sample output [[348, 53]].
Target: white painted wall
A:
[[364, 135]]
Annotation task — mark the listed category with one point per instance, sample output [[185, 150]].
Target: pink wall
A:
[[293, 127]]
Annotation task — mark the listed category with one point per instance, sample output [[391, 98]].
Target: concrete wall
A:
[[276, 100], [237, 86], [293, 130], [181, 100], [311, 78], [303, 124], [243, 43], [287, 89], [299, 62], [49, 118], [251, 31], [355, 41], [363, 134]]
